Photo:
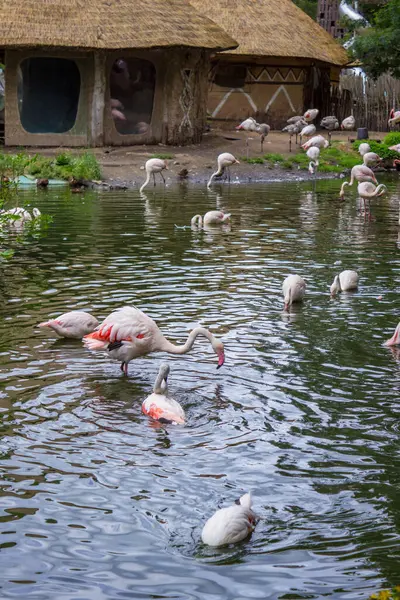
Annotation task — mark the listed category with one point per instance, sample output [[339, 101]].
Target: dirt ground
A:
[[124, 166]]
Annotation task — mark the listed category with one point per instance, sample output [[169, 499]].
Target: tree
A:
[[377, 46]]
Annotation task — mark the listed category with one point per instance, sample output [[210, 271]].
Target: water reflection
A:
[[98, 501]]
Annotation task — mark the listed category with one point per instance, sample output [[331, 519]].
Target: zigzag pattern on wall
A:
[[276, 74]]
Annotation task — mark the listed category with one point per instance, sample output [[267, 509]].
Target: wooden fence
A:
[[369, 101]]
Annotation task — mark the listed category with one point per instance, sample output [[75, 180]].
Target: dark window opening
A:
[[132, 88], [232, 76], [48, 94]]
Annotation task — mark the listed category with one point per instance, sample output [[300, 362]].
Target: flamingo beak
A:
[[239, 128], [221, 359], [237, 161]]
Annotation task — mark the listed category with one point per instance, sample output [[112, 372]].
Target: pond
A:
[[97, 502]]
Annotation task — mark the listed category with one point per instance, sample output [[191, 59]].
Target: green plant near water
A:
[[392, 138], [64, 166], [381, 149], [163, 156], [252, 161]]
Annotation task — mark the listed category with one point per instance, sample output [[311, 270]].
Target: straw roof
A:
[[108, 24], [273, 28]]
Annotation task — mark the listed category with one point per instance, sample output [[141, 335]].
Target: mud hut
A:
[[285, 62], [94, 72]]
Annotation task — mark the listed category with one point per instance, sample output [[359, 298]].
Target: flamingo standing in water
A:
[[128, 333], [74, 324], [395, 339], [224, 161], [153, 166], [293, 288], [230, 525], [367, 190], [212, 217], [360, 173], [313, 155], [345, 281], [159, 405]]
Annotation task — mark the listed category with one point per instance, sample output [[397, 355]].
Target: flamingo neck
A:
[[167, 346], [197, 220], [161, 385], [146, 182]]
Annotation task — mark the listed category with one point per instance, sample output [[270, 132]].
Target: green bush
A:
[[252, 161], [381, 149], [274, 157], [391, 139]]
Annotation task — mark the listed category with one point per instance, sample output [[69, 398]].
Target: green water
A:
[[97, 502]]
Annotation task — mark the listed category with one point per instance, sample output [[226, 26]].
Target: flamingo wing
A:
[[125, 324]]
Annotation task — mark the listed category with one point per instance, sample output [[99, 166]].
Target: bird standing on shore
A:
[[394, 117], [313, 155], [251, 124], [330, 123], [153, 166], [318, 140], [310, 114], [224, 161], [307, 131]]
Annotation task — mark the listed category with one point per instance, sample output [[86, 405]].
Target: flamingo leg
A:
[[163, 178], [228, 169], [154, 179], [122, 366], [247, 148], [290, 143]]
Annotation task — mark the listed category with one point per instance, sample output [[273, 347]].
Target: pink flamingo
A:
[[128, 333], [73, 325], [212, 217], [159, 405], [359, 173]]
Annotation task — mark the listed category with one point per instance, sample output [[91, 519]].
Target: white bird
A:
[[153, 166], [251, 124], [371, 159], [295, 119], [318, 140], [310, 114], [330, 123], [313, 155], [212, 217], [364, 148], [367, 190], [348, 123], [74, 324], [395, 148], [230, 525], [128, 333], [293, 288], [159, 405], [294, 129], [307, 131], [345, 281], [224, 161], [395, 339], [20, 215], [394, 117], [359, 173]]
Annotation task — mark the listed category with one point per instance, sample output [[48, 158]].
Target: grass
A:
[[163, 156], [252, 161], [381, 149], [64, 166]]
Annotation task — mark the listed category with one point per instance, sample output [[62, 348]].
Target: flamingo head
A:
[[239, 128], [395, 339], [335, 287], [218, 348], [287, 299], [391, 114]]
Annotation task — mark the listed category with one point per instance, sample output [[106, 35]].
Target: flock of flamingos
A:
[[128, 333]]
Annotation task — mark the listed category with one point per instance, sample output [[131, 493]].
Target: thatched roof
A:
[[273, 28], [107, 24]]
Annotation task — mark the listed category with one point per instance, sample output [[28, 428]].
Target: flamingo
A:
[[293, 288], [251, 124], [371, 159], [224, 161], [313, 155], [307, 131], [394, 117], [20, 216], [395, 339], [153, 166], [395, 148], [212, 217], [294, 129], [364, 148], [318, 140], [230, 525], [367, 190], [295, 119], [348, 123], [330, 123], [345, 281], [359, 173], [159, 405], [128, 333], [310, 114], [74, 324]]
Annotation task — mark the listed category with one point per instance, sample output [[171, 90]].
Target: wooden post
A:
[[98, 102]]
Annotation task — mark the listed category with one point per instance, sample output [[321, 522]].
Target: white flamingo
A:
[[318, 140], [345, 281], [395, 148], [310, 114], [153, 166], [251, 124], [307, 131], [230, 525], [74, 324], [330, 123], [395, 339], [20, 215], [293, 288], [159, 405], [364, 148], [348, 124], [313, 155], [394, 117], [371, 159], [359, 173], [128, 333], [212, 217], [224, 161], [367, 190]]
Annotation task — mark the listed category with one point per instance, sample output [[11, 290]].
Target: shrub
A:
[[252, 161], [274, 157], [391, 139], [381, 149]]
